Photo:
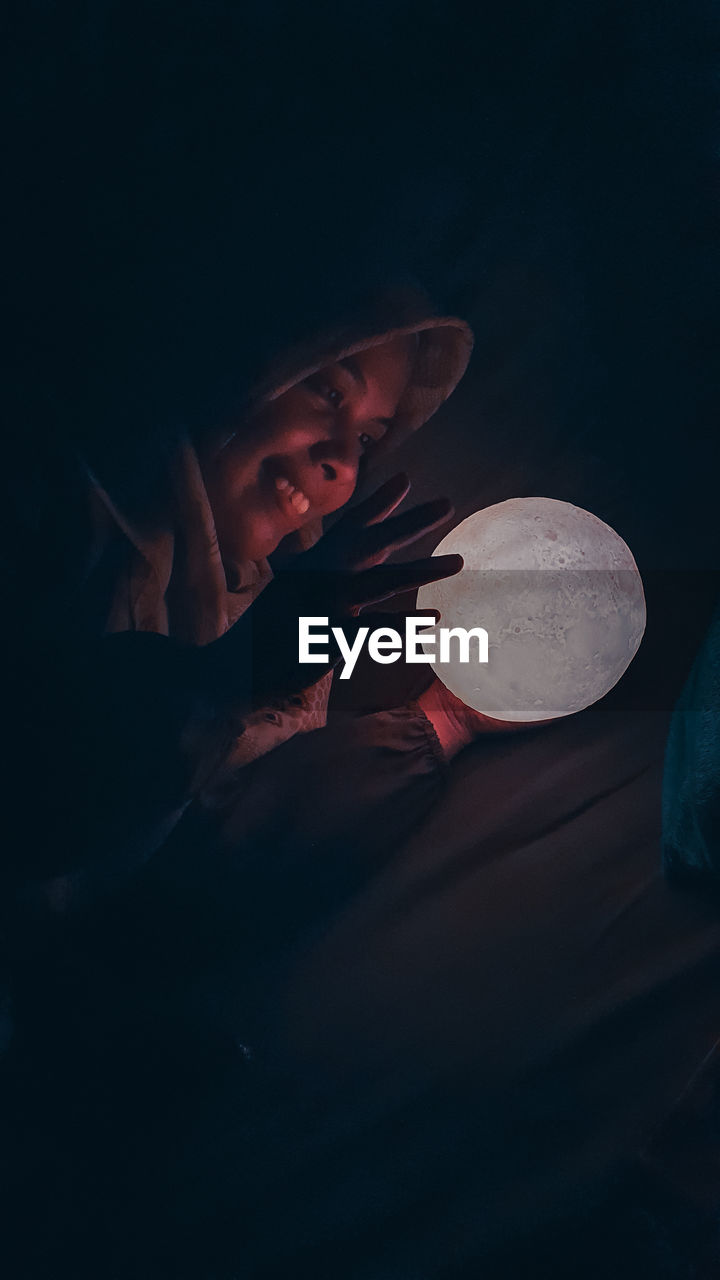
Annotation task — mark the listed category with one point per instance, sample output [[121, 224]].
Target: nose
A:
[[337, 457]]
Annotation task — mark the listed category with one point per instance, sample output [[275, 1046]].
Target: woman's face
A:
[[298, 459]]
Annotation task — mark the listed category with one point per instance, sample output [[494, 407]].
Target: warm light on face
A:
[[297, 459], [561, 598]]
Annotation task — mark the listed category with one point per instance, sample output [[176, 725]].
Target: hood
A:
[[444, 347], [177, 583]]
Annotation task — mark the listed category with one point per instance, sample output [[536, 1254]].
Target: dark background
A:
[[192, 185]]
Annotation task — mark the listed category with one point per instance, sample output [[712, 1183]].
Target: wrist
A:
[[452, 733], [456, 725]]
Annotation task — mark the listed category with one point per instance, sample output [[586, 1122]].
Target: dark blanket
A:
[[484, 1039], [391, 1027]]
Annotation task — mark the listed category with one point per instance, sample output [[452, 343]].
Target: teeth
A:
[[297, 498]]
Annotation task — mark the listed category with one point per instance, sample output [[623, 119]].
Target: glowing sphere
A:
[[560, 597]]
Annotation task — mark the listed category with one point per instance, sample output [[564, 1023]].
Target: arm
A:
[[109, 740], [115, 736]]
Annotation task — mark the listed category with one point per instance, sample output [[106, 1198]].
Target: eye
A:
[[366, 440], [326, 390]]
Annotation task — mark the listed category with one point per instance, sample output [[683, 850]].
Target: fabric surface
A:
[[691, 795], [137, 1019], [483, 1030], [434, 1020]]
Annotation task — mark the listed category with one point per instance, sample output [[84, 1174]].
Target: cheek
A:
[[231, 472], [285, 425], [338, 496]]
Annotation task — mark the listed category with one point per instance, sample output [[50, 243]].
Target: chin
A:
[[249, 544], [258, 535], [252, 549]]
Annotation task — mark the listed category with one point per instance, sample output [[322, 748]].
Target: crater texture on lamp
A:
[[561, 598]]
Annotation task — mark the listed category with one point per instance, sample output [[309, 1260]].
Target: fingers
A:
[[384, 581], [391, 535], [381, 503]]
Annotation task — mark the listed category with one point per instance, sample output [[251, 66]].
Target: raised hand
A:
[[337, 578], [348, 559]]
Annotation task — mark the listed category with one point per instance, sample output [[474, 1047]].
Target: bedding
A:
[[488, 1033]]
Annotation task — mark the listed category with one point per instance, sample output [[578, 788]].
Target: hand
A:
[[365, 537], [341, 575], [457, 725]]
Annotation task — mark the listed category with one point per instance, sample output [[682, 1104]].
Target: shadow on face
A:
[[298, 458]]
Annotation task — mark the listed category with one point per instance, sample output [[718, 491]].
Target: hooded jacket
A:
[[100, 658]]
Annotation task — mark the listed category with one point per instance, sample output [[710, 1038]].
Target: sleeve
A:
[[361, 784], [110, 741], [108, 738], [263, 730]]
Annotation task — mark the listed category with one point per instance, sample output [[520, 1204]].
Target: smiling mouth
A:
[[288, 496]]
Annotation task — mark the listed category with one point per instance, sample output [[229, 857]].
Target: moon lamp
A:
[[560, 597]]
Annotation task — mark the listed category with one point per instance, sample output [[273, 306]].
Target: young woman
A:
[[155, 694], [157, 640]]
